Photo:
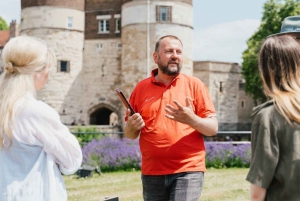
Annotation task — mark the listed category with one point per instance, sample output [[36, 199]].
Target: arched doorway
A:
[[100, 116]]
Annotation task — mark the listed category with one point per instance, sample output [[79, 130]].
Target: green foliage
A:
[[85, 134], [274, 13], [3, 25]]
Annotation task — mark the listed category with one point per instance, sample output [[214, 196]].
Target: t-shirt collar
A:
[[155, 72]]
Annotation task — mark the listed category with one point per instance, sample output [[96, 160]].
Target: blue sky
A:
[[221, 27]]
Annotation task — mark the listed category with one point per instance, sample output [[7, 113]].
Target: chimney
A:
[[13, 29]]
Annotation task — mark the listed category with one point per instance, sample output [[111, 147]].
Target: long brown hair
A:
[[279, 66]]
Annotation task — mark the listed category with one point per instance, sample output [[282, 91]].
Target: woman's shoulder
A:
[[267, 113], [263, 108], [36, 108]]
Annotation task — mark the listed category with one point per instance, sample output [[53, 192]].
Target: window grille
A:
[[163, 13]]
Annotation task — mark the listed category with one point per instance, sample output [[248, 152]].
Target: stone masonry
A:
[[102, 61]]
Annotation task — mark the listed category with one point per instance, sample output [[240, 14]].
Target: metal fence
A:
[[235, 137]]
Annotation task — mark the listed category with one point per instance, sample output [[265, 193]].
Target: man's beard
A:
[[168, 70]]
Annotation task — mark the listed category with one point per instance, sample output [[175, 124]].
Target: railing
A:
[[235, 137], [231, 136], [219, 133]]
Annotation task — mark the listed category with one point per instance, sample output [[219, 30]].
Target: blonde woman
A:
[[35, 147], [275, 166]]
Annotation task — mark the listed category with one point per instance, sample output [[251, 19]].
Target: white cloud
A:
[[224, 42]]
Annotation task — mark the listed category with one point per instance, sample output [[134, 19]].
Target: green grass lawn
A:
[[219, 185]]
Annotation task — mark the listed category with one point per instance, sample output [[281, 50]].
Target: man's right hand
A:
[[133, 126]]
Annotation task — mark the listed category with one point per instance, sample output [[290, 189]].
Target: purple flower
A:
[[220, 155], [112, 154]]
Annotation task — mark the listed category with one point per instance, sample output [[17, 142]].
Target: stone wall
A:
[[222, 80], [246, 104], [75, 4], [104, 5], [92, 25], [134, 38], [184, 1], [100, 63], [1, 62], [102, 70], [63, 90], [51, 17]]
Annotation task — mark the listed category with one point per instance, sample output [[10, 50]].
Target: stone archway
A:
[[103, 114], [100, 116]]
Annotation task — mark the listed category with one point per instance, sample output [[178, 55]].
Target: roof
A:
[[4, 37]]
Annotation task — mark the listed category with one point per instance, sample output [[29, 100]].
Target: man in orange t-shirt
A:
[[173, 112]]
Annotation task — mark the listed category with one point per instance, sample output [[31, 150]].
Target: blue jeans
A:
[[185, 186]]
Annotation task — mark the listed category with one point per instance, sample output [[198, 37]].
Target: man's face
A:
[[169, 56]]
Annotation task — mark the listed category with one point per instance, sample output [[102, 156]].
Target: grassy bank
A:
[[219, 185]]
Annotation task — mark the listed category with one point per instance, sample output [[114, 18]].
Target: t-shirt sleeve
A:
[[43, 126], [264, 156]]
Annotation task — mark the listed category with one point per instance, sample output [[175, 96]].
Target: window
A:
[[163, 13], [117, 18], [221, 87], [69, 22], [242, 104], [241, 84], [99, 46], [103, 25], [118, 25], [63, 66]]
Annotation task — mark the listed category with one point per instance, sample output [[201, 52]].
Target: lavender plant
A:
[[227, 155], [112, 154]]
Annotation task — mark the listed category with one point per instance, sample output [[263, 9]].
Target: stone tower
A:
[[102, 61], [224, 81], [143, 23], [61, 25], [106, 44]]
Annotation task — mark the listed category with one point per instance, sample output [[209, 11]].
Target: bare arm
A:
[[257, 193], [133, 126], [207, 126]]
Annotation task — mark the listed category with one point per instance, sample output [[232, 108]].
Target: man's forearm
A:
[[130, 133], [206, 126]]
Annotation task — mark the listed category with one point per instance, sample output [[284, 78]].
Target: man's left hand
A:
[[183, 114]]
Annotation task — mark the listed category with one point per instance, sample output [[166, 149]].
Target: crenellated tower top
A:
[[73, 4], [184, 1]]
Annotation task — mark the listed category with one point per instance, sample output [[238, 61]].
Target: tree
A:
[[3, 25], [274, 13]]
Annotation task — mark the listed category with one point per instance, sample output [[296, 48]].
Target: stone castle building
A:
[[106, 44]]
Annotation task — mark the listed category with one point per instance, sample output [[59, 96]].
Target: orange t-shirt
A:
[[168, 146]]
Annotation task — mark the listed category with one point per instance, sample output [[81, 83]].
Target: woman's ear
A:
[[36, 76]]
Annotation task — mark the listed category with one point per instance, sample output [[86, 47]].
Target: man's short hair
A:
[[161, 38]]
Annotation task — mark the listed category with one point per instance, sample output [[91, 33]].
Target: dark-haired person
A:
[[275, 163], [173, 114]]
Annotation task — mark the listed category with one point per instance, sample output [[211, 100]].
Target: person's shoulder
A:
[[263, 108], [143, 83], [37, 108], [191, 79], [266, 112]]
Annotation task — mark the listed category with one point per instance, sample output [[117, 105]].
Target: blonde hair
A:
[[23, 56], [279, 66]]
